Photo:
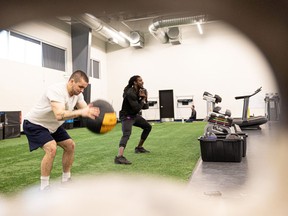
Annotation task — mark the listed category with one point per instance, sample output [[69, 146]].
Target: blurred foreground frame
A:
[[264, 22]]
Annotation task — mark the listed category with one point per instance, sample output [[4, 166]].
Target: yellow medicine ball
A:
[[106, 121]]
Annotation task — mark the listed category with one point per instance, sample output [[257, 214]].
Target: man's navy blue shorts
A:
[[38, 135]]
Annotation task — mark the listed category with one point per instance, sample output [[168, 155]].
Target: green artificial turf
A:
[[174, 153]]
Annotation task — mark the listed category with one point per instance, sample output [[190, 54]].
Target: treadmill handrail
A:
[[248, 96]]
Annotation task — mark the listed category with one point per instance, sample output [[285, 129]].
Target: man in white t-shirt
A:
[[43, 124]]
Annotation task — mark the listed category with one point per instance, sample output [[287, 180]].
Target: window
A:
[[27, 50], [94, 69], [53, 57], [24, 49]]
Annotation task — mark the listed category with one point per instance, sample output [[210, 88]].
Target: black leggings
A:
[[127, 124]]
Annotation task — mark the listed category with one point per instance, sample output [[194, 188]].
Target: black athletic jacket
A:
[[132, 104]]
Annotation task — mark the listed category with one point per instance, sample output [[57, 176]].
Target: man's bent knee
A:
[[50, 148], [68, 145]]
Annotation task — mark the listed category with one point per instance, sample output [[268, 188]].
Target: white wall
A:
[[99, 86], [22, 85], [222, 61]]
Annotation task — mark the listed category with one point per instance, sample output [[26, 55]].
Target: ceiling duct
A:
[[136, 39], [104, 29], [174, 35], [157, 28]]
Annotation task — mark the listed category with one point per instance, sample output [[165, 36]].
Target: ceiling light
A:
[[199, 28]]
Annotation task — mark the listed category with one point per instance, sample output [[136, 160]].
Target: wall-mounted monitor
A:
[[185, 101]]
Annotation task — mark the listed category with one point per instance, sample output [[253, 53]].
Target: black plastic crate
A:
[[1, 131], [221, 150], [244, 137], [244, 140], [12, 117], [12, 131]]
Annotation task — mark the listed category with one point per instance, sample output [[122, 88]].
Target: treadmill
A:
[[252, 122]]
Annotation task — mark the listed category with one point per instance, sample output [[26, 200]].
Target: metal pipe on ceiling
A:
[[97, 25], [157, 28]]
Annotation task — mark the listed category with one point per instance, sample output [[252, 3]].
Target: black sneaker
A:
[[121, 160], [141, 150]]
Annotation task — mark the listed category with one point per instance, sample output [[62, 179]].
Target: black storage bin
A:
[[221, 150], [244, 140], [11, 121], [12, 117], [2, 117], [244, 137], [239, 132], [68, 124], [12, 131], [1, 130]]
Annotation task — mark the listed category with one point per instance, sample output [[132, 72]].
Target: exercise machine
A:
[[220, 126], [211, 101], [217, 122], [249, 122]]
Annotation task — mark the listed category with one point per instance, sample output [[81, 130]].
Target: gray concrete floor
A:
[[233, 180]]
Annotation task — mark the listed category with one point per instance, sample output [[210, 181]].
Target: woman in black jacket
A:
[[134, 100]]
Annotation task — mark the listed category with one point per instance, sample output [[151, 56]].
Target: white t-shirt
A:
[[42, 114]]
